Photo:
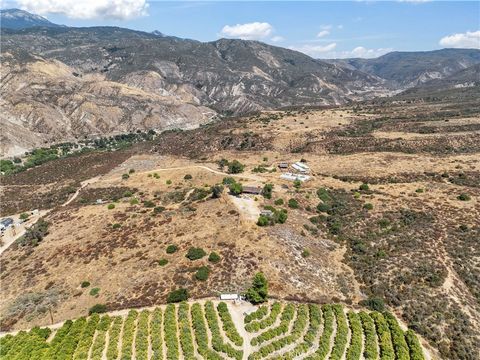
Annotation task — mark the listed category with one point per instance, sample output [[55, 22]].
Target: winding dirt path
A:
[[15, 232], [82, 186]]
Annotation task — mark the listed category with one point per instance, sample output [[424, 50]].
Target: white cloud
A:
[[362, 52], [87, 9], [250, 31], [277, 38], [326, 27], [470, 39], [315, 50], [323, 33]]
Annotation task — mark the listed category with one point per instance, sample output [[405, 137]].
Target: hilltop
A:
[[20, 19]]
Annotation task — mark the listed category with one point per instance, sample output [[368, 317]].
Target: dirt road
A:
[[82, 186], [14, 232]]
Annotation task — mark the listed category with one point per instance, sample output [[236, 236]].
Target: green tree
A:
[[292, 203], [263, 220], [368, 206], [97, 309], [267, 191], [281, 216], [235, 167], [297, 184], [171, 249], [236, 189], [222, 163], [217, 191], [202, 273], [177, 295], [23, 216], [463, 197], [375, 304], [195, 253], [364, 187], [214, 257], [258, 292]]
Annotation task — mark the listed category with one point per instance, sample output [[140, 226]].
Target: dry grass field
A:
[[409, 238]]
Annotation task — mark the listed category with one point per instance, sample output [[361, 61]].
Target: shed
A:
[[229, 297], [252, 190], [293, 177], [5, 223], [283, 165], [267, 213], [301, 167]]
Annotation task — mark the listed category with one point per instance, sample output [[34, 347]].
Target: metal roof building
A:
[[252, 190]]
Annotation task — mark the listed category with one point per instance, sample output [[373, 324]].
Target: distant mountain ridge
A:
[[20, 19], [99, 80], [232, 76], [403, 70]]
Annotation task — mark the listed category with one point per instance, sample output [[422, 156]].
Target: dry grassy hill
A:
[[409, 238]]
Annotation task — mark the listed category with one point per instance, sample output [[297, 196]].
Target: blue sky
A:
[[323, 29]]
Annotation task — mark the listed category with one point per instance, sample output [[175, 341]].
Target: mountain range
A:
[[61, 83], [21, 19]]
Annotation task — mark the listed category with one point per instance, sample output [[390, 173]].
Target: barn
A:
[[255, 190]]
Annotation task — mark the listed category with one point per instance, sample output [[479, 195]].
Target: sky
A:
[[321, 29]]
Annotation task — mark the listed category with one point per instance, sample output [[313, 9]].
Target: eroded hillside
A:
[[46, 101]]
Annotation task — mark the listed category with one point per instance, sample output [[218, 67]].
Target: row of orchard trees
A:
[[279, 331], [328, 332], [170, 334]]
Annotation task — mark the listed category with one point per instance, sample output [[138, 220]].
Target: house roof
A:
[[6, 221], [229, 296], [252, 189]]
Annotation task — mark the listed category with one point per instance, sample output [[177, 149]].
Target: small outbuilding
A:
[[301, 167], [283, 165], [293, 177], [267, 213], [255, 190], [233, 297], [5, 223]]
